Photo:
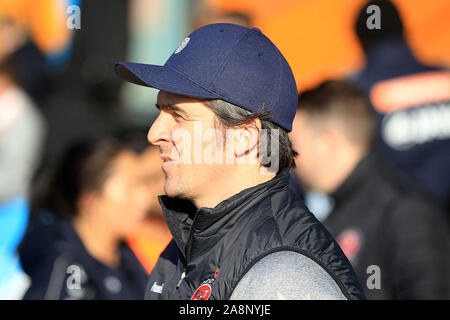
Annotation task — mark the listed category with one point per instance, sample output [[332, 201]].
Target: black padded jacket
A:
[[213, 248]]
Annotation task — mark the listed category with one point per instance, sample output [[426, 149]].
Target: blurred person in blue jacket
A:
[[411, 102], [97, 199], [22, 130]]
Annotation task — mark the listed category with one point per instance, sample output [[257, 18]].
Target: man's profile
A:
[[227, 101]]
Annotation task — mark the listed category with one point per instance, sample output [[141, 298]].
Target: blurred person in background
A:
[[152, 235], [15, 41], [97, 197], [379, 218], [207, 14], [81, 89], [411, 102], [22, 131]]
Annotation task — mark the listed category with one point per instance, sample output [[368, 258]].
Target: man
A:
[[411, 102], [89, 203], [22, 133], [397, 241], [227, 97], [152, 236]]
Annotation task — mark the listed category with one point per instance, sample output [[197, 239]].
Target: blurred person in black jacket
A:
[[15, 42], [396, 239], [95, 200], [411, 102]]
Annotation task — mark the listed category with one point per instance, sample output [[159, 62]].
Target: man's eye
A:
[[178, 116]]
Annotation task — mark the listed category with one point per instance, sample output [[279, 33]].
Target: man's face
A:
[[153, 177], [185, 133], [123, 201], [312, 161]]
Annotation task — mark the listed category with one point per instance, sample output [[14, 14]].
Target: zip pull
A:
[[182, 277]]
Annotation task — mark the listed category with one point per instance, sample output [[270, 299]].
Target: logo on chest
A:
[[204, 291], [351, 242]]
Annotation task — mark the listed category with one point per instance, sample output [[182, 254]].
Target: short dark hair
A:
[[237, 17], [84, 166], [231, 115], [10, 67], [391, 23], [341, 100]]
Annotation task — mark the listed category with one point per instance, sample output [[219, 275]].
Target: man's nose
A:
[[159, 131]]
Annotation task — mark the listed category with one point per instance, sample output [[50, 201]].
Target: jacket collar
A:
[[184, 219], [356, 178]]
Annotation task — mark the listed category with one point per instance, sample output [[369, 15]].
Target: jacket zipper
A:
[[181, 279], [188, 254], [183, 275], [191, 235]]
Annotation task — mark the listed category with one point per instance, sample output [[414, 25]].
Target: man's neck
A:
[[98, 242], [346, 164], [235, 182]]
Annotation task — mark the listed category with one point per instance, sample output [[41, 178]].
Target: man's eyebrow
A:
[[170, 107], [173, 108]]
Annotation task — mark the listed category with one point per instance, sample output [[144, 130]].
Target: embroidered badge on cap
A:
[[182, 45]]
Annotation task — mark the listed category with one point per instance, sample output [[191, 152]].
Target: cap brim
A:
[[162, 78]]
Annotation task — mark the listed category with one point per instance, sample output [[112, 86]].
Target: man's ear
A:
[[246, 138], [330, 140]]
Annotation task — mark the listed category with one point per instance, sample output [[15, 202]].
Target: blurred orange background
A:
[[317, 38], [45, 20]]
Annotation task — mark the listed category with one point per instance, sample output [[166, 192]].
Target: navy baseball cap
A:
[[227, 62]]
